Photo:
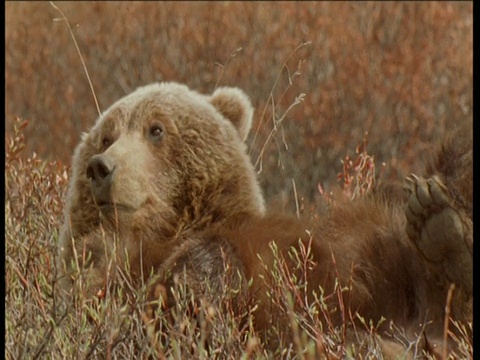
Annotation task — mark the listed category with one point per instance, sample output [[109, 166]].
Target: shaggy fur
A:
[[194, 175], [162, 182]]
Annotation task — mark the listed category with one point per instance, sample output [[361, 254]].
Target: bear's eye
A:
[[156, 131], [106, 142]]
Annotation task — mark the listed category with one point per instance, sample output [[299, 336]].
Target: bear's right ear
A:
[[234, 105]]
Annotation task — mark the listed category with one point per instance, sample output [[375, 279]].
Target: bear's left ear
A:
[[234, 105]]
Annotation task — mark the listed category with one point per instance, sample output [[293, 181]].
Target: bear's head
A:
[[165, 159]]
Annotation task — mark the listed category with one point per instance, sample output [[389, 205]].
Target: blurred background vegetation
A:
[[401, 71]]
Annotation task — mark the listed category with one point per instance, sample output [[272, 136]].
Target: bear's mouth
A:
[[107, 206]]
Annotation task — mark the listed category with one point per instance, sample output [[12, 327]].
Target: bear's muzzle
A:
[[100, 170]]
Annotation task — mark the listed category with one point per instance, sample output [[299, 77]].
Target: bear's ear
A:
[[235, 106]]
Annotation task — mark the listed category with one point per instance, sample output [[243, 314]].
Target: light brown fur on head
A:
[[196, 174]]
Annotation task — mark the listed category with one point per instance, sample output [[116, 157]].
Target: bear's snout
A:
[[100, 170]]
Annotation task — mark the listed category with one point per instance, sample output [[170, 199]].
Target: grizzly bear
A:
[[162, 185]]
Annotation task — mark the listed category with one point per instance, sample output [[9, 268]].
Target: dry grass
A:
[[400, 71], [38, 324]]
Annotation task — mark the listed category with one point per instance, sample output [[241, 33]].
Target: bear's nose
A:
[[99, 169]]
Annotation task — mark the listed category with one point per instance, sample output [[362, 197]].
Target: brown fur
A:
[[196, 176], [363, 245], [185, 201]]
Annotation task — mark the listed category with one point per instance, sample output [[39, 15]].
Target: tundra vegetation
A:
[[321, 75]]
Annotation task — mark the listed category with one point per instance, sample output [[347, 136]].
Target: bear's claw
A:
[[440, 231]]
